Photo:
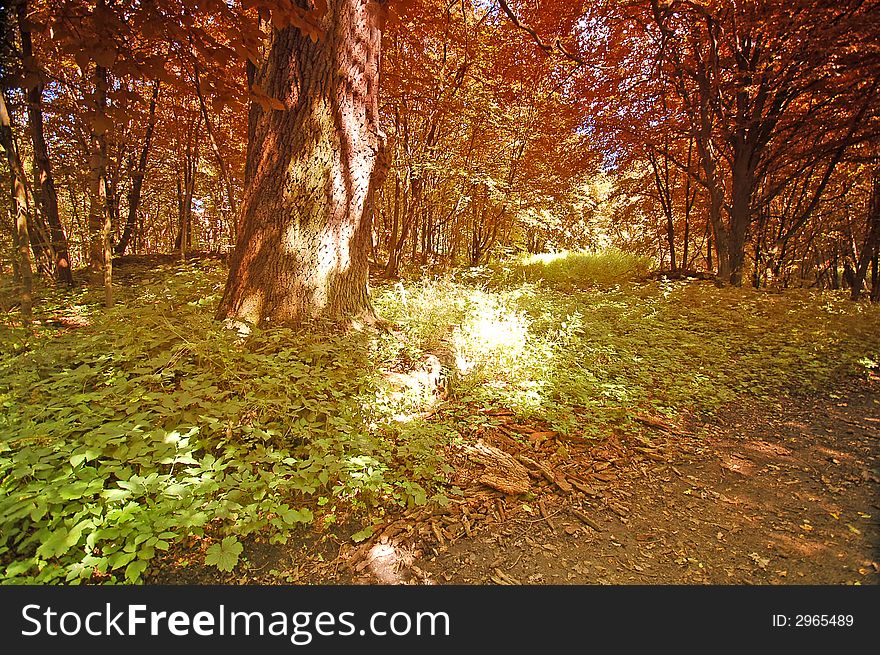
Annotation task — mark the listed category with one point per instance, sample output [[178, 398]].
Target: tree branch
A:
[[556, 48]]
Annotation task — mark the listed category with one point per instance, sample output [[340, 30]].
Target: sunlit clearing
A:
[[545, 257], [581, 268], [491, 335], [411, 393]]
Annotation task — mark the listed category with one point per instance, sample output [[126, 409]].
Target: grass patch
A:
[[581, 270]]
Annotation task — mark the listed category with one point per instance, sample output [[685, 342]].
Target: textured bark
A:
[[303, 243], [45, 193], [743, 186], [20, 209]]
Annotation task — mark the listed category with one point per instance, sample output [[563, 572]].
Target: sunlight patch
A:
[[491, 335]]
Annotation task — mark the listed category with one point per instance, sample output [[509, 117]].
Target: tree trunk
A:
[[47, 195], [303, 243], [215, 147], [185, 193], [872, 239], [100, 259], [875, 277], [743, 184], [393, 264], [20, 210], [137, 177]]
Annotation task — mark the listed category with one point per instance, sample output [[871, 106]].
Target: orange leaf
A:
[[105, 56], [82, 60], [100, 124]]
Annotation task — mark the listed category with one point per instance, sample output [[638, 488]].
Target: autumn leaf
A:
[[82, 59], [105, 56], [259, 95], [100, 124]]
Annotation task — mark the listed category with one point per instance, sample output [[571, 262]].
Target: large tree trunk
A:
[[740, 220], [20, 209], [303, 243], [45, 192]]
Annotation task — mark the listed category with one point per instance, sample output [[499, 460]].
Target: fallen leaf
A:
[[760, 561]]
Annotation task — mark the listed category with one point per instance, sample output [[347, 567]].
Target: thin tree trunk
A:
[[137, 177], [872, 239], [47, 196], [100, 254], [221, 164], [20, 210]]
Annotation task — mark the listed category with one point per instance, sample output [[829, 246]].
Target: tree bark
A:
[[47, 196], [20, 210], [100, 254], [303, 243], [872, 240], [137, 177], [743, 185]]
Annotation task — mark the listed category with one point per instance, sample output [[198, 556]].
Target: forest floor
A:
[[649, 433], [778, 493]]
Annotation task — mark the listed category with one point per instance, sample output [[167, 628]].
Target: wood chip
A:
[[656, 422], [583, 487], [562, 483], [503, 578], [503, 471], [586, 519], [543, 510], [437, 533], [536, 437]]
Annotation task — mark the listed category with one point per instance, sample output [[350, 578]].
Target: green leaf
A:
[[19, 567], [361, 535], [293, 516], [115, 494], [134, 570], [120, 559], [225, 554], [55, 545]]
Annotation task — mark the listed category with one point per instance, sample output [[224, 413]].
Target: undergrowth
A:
[[149, 423], [576, 269]]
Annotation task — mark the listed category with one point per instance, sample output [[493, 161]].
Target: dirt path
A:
[[764, 494], [769, 495]]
